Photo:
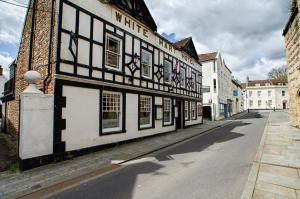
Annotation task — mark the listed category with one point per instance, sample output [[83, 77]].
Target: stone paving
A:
[[13, 185], [276, 169]]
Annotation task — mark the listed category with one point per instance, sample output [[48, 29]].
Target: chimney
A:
[[1, 70], [248, 79]]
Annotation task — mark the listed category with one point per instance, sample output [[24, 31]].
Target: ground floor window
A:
[[167, 111], [145, 111], [222, 109], [111, 111], [186, 110], [194, 112]]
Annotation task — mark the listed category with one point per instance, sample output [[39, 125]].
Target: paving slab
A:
[[279, 166]]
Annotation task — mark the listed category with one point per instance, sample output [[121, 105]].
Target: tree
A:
[[280, 73], [294, 6]]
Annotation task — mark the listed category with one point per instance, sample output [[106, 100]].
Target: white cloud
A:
[[247, 32], [5, 60]]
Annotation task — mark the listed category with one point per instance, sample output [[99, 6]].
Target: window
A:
[[270, 103], [145, 111], [167, 111], [250, 93], [269, 93], [193, 81], [167, 71], [194, 112], [214, 66], [113, 52], [146, 64], [257, 85], [186, 111], [111, 111], [251, 103], [215, 85], [182, 77], [258, 93], [259, 103], [283, 93], [267, 84]]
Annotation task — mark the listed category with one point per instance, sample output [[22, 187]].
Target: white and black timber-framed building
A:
[[113, 77]]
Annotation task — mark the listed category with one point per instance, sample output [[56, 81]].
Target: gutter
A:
[[32, 34], [50, 47]]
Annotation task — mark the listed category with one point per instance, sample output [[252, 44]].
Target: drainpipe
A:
[[50, 47], [32, 34]]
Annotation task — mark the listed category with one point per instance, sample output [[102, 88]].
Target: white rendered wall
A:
[[36, 125]]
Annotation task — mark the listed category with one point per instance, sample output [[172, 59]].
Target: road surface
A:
[[211, 166]]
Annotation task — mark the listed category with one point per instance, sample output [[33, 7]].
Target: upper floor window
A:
[[250, 93], [111, 110], [258, 93], [267, 84], [145, 111], [182, 77], [259, 103], [113, 52], [269, 93], [283, 93], [194, 80], [167, 71], [215, 85], [146, 64], [257, 85]]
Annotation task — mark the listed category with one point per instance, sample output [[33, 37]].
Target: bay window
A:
[[111, 111], [145, 111]]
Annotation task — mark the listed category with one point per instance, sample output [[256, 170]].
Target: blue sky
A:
[[248, 33]]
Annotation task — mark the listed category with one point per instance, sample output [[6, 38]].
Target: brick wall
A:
[[41, 39]]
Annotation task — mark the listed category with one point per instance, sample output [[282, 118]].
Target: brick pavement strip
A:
[[16, 185], [277, 165]]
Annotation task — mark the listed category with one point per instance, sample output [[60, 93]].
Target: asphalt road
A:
[[210, 166]]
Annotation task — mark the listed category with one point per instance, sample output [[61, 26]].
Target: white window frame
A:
[[119, 54], [182, 77], [170, 70], [109, 130], [194, 110], [150, 64], [150, 110], [170, 111], [258, 93], [186, 111], [269, 93]]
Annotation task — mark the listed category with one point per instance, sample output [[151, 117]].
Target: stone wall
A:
[[292, 42], [39, 62]]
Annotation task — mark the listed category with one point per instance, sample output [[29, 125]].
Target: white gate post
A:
[[36, 124]]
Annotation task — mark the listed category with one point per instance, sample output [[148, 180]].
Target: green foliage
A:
[[280, 73], [14, 169], [294, 6]]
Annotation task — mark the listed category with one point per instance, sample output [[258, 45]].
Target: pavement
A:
[[212, 165], [84, 167], [4, 154], [276, 169]]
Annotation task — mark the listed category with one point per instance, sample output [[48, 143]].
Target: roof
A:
[[208, 56], [188, 46], [137, 9], [290, 21], [235, 82], [274, 82]]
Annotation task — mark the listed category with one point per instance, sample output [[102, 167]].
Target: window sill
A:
[[146, 128], [112, 133], [115, 70]]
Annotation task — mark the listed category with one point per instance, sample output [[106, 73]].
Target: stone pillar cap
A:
[[31, 77]]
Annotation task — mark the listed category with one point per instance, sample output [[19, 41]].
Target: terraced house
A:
[[113, 77]]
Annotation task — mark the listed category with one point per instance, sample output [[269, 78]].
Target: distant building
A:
[[220, 102], [266, 95], [2, 83], [292, 40]]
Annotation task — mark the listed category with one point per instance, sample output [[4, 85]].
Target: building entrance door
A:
[[179, 119], [284, 105]]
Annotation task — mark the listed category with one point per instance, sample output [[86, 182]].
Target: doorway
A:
[[284, 105], [179, 119]]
